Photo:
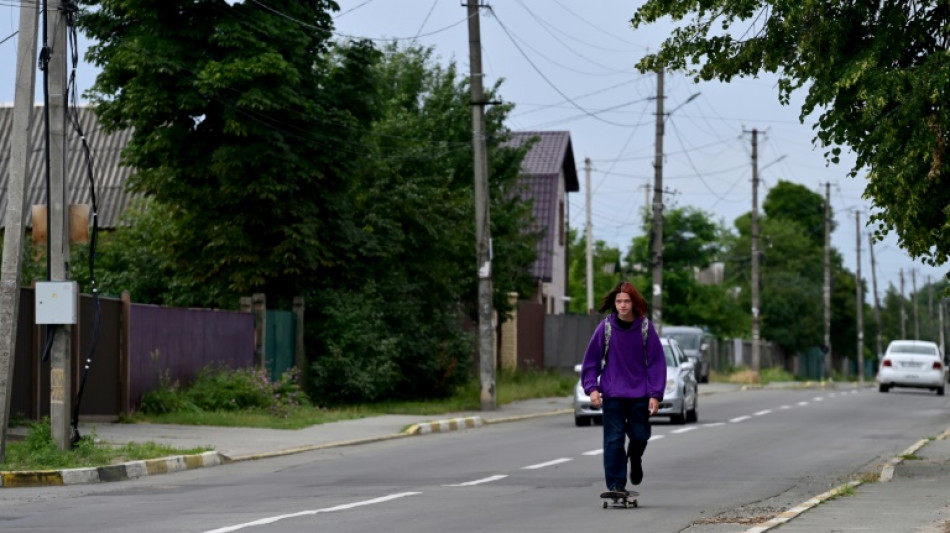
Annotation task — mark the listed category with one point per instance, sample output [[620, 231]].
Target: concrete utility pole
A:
[[943, 346], [589, 238], [61, 378], [930, 305], [657, 244], [826, 289], [877, 300], [10, 278], [486, 329], [860, 299], [903, 311], [756, 275], [913, 283]]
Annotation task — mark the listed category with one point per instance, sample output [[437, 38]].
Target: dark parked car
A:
[[696, 343]]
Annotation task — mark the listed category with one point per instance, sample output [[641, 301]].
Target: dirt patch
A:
[[743, 520]]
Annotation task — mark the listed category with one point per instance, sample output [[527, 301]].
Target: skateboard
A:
[[618, 500]]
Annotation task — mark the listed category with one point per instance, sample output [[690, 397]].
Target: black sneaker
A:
[[636, 470], [621, 490]]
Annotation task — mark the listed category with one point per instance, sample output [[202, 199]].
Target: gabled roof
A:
[[111, 195], [551, 155]]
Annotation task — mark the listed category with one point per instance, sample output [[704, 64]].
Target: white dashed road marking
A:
[[272, 519], [594, 452], [488, 479], [763, 412], [684, 430], [740, 418], [549, 463]]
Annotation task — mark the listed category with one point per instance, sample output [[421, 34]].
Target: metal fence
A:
[[137, 346]]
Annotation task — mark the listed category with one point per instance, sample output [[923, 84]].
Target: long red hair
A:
[[639, 303]]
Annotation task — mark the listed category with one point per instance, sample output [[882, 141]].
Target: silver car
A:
[[680, 399], [911, 363]]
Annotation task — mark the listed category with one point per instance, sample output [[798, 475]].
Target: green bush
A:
[[380, 347], [218, 388]]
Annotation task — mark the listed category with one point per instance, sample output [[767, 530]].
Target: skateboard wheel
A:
[[605, 505], [626, 504], [635, 504]]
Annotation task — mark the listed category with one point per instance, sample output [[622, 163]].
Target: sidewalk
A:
[[912, 497]]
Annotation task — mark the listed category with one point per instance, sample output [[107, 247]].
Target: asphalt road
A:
[[751, 454]]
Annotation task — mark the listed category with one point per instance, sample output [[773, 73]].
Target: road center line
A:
[[488, 479], [740, 418], [594, 452], [344, 507], [714, 424], [549, 463], [683, 430], [763, 412]]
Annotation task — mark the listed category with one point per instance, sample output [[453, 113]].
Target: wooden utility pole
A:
[[877, 300], [61, 379], [756, 275], [486, 330], [589, 239], [657, 234], [860, 299], [11, 275], [826, 288]]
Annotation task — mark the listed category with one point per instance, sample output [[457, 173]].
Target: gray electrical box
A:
[[57, 302]]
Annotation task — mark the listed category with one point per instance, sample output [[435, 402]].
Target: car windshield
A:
[[670, 356], [914, 349], [687, 341]]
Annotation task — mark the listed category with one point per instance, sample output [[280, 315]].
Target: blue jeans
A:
[[624, 417]]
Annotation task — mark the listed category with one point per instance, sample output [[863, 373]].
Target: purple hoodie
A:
[[628, 374]]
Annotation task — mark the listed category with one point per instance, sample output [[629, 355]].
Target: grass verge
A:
[[38, 452], [510, 387]]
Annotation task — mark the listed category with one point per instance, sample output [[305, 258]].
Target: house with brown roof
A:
[[548, 174], [105, 148]]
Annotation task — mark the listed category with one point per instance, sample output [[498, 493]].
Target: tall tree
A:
[[792, 201], [242, 128], [393, 328], [875, 72]]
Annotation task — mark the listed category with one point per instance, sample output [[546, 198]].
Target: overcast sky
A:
[[568, 65]]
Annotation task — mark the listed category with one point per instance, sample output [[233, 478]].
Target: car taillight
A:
[[938, 365], [887, 362]]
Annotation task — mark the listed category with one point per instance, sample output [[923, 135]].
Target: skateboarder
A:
[[624, 371]]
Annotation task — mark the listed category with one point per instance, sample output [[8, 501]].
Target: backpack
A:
[[644, 330]]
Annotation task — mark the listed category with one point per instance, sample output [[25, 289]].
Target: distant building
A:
[[548, 174]]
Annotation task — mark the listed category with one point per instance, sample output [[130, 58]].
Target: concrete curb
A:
[[178, 463], [102, 474], [887, 473]]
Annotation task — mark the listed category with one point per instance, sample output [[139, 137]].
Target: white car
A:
[[680, 399], [911, 363]]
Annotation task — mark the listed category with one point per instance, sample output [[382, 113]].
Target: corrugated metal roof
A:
[[541, 168], [110, 177]]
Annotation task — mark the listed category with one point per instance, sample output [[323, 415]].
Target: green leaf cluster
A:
[[876, 73]]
